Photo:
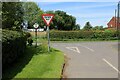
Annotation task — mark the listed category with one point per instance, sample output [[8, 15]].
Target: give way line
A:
[[74, 49], [111, 65]]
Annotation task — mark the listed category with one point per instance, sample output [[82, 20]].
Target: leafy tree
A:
[[58, 21], [77, 27], [32, 14], [101, 28], [98, 28], [50, 12], [87, 26], [95, 28], [0, 14], [62, 20], [12, 14]]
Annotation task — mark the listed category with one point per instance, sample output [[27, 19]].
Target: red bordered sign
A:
[[47, 18]]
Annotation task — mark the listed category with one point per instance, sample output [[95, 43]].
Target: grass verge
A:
[[81, 40], [37, 63]]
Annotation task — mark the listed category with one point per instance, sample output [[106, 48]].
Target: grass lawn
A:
[[82, 40], [37, 63]]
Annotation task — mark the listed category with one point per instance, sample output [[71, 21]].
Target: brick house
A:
[[113, 23]]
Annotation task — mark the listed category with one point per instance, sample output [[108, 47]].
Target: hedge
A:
[[13, 45], [88, 35]]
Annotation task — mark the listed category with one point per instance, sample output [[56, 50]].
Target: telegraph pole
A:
[[115, 19], [118, 20]]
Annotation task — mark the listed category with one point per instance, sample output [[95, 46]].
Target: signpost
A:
[[36, 27], [47, 19]]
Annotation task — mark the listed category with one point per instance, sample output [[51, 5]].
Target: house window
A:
[[111, 25]]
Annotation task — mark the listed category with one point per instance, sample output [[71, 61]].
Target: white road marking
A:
[[111, 65], [87, 48], [73, 49]]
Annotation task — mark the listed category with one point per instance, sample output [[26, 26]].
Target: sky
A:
[[73, 0], [97, 13]]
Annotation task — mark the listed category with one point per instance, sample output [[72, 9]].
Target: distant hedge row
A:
[[88, 35], [13, 45]]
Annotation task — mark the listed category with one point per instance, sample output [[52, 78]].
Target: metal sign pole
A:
[[48, 32], [36, 26], [47, 19]]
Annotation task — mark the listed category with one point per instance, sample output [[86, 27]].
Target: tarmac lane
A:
[[90, 59]]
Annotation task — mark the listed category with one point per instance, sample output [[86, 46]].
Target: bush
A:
[[13, 45], [30, 41], [82, 34]]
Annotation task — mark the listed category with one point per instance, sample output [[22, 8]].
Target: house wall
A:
[[111, 24]]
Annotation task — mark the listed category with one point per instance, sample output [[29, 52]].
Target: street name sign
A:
[[36, 25]]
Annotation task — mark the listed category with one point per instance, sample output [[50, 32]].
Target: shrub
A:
[[82, 34], [30, 41], [13, 45]]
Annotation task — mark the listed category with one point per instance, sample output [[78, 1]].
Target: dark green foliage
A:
[[118, 34], [70, 34], [13, 45], [62, 20], [30, 41], [28, 34], [98, 28], [76, 27], [82, 34], [32, 14], [12, 14], [87, 26]]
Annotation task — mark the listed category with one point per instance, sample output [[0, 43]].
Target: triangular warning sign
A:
[[47, 18]]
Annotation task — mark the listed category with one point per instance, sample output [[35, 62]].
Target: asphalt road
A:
[[90, 59]]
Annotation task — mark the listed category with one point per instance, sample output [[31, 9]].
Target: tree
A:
[[58, 21], [12, 14], [77, 27], [98, 28], [32, 14], [0, 14], [62, 20], [101, 28], [95, 28], [87, 26]]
